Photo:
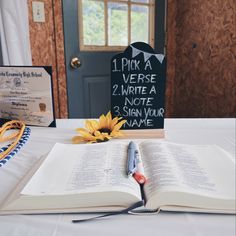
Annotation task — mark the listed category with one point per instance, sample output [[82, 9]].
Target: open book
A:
[[92, 178]]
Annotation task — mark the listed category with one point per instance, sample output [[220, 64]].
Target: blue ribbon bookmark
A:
[[125, 211]]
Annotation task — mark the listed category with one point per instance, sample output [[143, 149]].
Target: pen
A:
[[139, 172], [131, 162], [134, 163], [138, 162]]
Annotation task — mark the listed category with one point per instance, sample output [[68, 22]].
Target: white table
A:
[[192, 131]]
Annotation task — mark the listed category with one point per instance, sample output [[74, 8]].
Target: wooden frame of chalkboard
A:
[[138, 77], [143, 133]]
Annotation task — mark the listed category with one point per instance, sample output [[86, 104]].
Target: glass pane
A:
[[142, 1], [93, 23], [139, 24], [117, 24]]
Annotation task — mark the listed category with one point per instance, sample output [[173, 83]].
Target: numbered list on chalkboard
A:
[[138, 77]]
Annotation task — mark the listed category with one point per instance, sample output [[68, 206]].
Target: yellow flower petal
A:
[[117, 134], [100, 131], [94, 124], [101, 135], [81, 129], [108, 115], [85, 133], [102, 121], [77, 139], [108, 119], [119, 125], [89, 126], [114, 122]]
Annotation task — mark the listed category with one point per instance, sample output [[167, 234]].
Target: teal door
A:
[[94, 32]]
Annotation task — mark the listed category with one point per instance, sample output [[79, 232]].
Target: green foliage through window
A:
[[110, 23]]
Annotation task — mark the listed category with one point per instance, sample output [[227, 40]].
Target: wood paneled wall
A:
[[201, 53], [205, 59], [47, 46]]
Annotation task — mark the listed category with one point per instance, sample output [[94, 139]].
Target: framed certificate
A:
[[26, 94]]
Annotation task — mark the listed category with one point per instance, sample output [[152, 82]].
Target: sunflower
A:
[[101, 130]]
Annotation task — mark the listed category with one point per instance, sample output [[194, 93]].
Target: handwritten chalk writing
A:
[[137, 88], [115, 87], [128, 90], [126, 111], [116, 110], [150, 112], [148, 65], [153, 90], [136, 101], [133, 90], [132, 112], [139, 78], [139, 112], [139, 122], [115, 66], [127, 64]]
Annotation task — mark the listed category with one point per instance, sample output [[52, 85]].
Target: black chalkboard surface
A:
[[138, 78]]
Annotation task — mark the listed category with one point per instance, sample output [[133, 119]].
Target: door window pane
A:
[[112, 25], [117, 24], [139, 24], [93, 23]]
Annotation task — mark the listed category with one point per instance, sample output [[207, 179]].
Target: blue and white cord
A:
[[19, 145]]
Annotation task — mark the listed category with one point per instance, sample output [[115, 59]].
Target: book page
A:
[[197, 169], [71, 168]]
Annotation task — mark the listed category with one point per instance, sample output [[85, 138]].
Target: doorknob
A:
[[75, 62]]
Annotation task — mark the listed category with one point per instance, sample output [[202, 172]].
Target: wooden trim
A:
[[102, 48], [120, 1], [151, 17], [106, 22], [129, 22], [60, 59], [80, 24], [143, 133]]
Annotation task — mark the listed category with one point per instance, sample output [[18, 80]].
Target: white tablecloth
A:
[[192, 131]]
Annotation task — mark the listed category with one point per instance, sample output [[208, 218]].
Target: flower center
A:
[[104, 130], [100, 140]]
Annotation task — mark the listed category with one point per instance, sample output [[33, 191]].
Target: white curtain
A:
[[14, 32]]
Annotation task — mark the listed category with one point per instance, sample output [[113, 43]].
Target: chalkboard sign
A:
[[138, 78]]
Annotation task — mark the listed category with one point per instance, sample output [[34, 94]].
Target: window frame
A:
[[106, 47]]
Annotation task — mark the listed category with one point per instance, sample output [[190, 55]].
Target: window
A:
[[109, 25]]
